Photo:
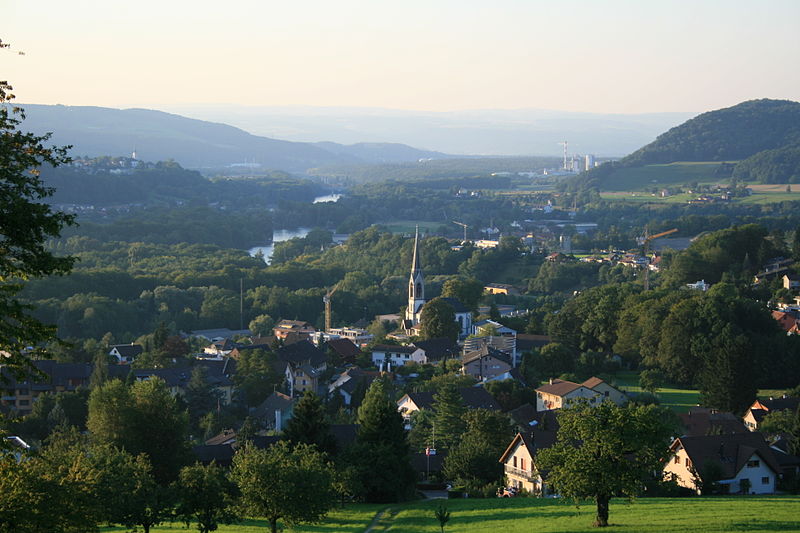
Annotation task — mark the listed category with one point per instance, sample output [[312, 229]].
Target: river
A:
[[280, 235]]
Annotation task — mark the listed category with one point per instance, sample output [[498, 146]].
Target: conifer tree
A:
[[309, 425], [450, 424]]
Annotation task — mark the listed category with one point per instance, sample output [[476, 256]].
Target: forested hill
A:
[[155, 135], [729, 134]]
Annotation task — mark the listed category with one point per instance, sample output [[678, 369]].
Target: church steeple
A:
[[416, 285]]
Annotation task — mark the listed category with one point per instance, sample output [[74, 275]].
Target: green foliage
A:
[[294, 484], [143, 418], [468, 291], [438, 320], [511, 394], [781, 165], [606, 450], [205, 496], [474, 459], [26, 223], [381, 452], [450, 410], [309, 425], [442, 515], [256, 376]]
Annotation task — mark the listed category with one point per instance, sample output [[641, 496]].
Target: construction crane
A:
[[327, 301], [646, 243], [465, 229]]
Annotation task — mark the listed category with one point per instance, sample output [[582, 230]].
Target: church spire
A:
[[415, 268], [416, 285]]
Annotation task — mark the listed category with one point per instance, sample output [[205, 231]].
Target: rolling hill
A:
[[762, 138], [156, 135]]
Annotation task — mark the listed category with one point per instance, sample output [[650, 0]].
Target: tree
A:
[[606, 450], [438, 319], [381, 452], [309, 425], [284, 482], [473, 460], [26, 223], [262, 325], [201, 397], [468, 291], [205, 495], [442, 515], [450, 410], [650, 380], [255, 377], [143, 418]]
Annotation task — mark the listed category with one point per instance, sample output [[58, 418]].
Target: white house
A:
[[394, 356], [743, 462]]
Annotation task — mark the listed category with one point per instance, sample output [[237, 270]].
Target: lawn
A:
[[680, 400], [523, 515]]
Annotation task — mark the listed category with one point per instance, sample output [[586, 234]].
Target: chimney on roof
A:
[[551, 381]]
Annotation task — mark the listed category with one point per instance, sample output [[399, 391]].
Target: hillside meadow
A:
[[523, 515]]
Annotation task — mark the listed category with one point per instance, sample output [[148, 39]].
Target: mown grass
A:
[[523, 515], [680, 400], [665, 515]]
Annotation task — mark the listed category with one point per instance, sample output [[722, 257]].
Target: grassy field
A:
[[639, 178], [523, 515], [680, 400]]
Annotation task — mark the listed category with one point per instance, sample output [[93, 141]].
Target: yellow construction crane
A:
[[327, 301], [646, 243], [463, 226]]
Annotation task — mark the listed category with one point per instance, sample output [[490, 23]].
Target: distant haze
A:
[[478, 132], [610, 56]]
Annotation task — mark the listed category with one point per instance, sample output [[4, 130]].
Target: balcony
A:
[[518, 472]]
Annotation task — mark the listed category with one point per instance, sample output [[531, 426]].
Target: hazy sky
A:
[[436, 55]]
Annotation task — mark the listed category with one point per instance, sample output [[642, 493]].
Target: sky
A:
[[615, 56]]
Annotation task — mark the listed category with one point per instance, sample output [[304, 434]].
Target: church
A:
[[416, 299]]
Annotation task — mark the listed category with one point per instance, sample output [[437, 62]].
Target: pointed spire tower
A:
[[416, 285]]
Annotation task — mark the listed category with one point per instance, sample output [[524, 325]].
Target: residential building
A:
[[472, 398], [274, 411], [743, 462], [791, 282], [519, 460], [386, 356], [701, 421], [559, 393], [301, 329], [125, 353], [485, 363], [19, 394], [755, 413], [303, 366], [500, 288]]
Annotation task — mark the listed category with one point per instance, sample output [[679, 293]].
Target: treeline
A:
[[190, 225], [96, 183], [781, 165]]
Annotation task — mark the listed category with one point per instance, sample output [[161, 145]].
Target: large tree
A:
[[141, 418], [27, 221], [309, 424], [473, 459], [294, 484], [606, 450], [450, 410], [438, 319], [205, 495], [381, 452]]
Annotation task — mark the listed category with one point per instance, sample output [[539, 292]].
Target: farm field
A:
[[648, 176], [522, 515]]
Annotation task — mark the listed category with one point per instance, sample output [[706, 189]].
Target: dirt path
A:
[[377, 519]]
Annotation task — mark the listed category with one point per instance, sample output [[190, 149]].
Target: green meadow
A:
[[680, 400], [524, 515]]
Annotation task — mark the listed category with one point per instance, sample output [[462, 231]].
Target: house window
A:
[[753, 464], [688, 463], [605, 394], [522, 463], [765, 480], [406, 356], [24, 402], [677, 460], [515, 461], [22, 392]]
